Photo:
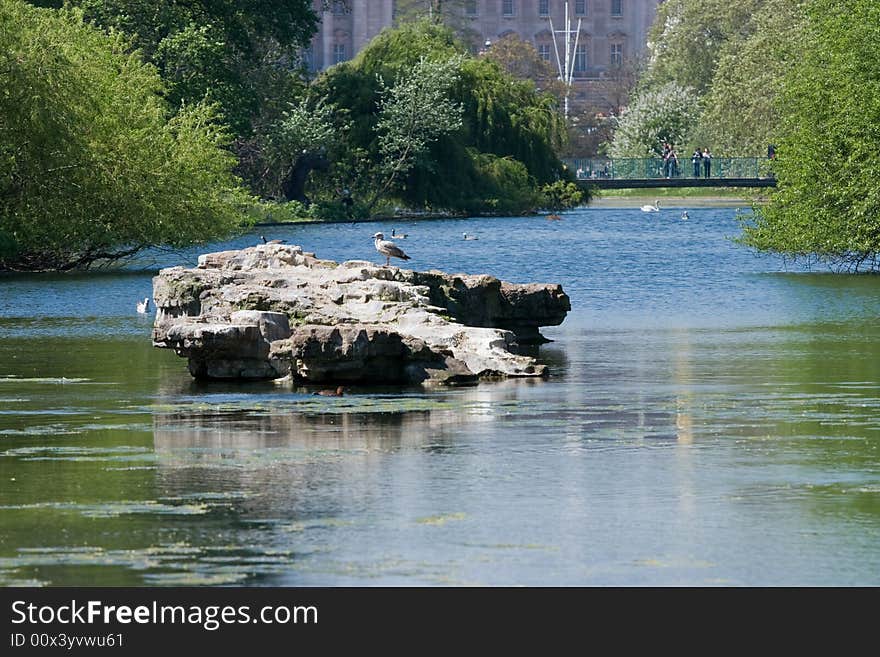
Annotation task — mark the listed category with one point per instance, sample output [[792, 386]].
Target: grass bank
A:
[[679, 197]]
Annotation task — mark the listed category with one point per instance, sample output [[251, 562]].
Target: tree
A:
[[591, 126], [827, 203], [520, 59], [665, 115], [730, 55], [742, 109], [510, 118], [236, 52], [562, 195], [297, 145], [686, 39], [242, 55], [414, 112], [509, 132], [616, 87], [94, 166]]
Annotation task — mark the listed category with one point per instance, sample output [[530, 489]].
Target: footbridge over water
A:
[[639, 173]]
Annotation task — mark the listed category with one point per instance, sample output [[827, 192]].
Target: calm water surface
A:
[[713, 418]]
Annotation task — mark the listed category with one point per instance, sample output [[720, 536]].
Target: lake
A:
[[712, 418]]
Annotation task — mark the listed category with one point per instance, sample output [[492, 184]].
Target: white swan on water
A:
[[652, 208], [143, 306]]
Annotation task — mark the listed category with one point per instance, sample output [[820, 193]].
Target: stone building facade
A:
[[345, 28], [611, 31]]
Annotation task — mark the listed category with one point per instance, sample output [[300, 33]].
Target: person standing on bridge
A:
[[707, 163], [697, 161], [670, 161]]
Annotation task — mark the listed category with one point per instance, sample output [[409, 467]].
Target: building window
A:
[[543, 7], [617, 7], [507, 7], [617, 54], [338, 53], [470, 7], [544, 51], [580, 7], [338, 8], [580, 59]]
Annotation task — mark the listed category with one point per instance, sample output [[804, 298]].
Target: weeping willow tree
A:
[[496, 160], [93, 164], [508, 117]]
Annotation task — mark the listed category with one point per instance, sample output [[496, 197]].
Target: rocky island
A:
[[274, 310]]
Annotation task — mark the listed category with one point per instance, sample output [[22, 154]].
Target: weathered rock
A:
[[274, 310]]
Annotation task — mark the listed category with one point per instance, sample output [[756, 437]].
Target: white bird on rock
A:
[[143, 306], [388, 249], [652, 208]]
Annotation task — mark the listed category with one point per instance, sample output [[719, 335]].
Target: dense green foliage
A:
[[689, 36], [122, 124], [306, 128], [414, 112], [494, 158], [827, 205], [237, 53], [93, 162], [656, 117], [242, 55], [731, 57], [562, 195], [742, 109]]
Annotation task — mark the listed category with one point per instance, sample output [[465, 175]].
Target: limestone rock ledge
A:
[[273, 310]]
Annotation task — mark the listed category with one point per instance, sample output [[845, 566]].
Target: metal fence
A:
[[656, 168]]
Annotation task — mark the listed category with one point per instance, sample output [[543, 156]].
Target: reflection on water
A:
[[709, 421]]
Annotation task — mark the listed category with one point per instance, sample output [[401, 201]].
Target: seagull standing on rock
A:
[[388, 249]]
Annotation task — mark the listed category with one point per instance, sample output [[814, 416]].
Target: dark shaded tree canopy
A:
[[238, 53], [503, 152]]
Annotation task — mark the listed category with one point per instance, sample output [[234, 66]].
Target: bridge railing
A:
[[656, 168]]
